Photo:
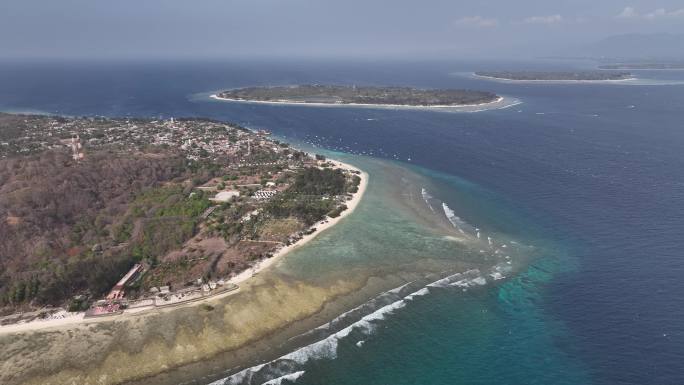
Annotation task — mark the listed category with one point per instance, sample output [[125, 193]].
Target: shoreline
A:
[[321, 226], [561, 81], [641, 69], [499, 99]]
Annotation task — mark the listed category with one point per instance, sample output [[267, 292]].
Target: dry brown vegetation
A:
[[57, 215]]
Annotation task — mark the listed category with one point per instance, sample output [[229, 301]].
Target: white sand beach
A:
[[495, 102], [320, 227], [568, 81], [64, 319]]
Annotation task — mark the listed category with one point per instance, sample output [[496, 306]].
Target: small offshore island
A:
[[643, 66], [555, 75], [360, 96]]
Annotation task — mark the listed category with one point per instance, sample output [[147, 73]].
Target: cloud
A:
[[627, 13], [662, 13], [658, 14], [477, 21], [548, 20]]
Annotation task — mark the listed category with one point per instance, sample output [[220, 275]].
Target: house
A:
[[225, 196], [264, 194]]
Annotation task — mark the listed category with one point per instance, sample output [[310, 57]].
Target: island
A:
[[555, 75], [360, 95], [643, 66], [102, 216]]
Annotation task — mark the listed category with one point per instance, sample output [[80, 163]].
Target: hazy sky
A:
[[234, 28]]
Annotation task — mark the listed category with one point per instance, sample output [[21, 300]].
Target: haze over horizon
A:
[[76, 29]]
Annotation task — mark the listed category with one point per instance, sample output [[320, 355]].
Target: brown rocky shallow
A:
[[181, 344]]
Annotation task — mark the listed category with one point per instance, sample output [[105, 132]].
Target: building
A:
[[76, 148], [225, 196], [118, 291], [264, 194]]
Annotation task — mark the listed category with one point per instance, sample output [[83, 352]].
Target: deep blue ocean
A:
[[597, 170]]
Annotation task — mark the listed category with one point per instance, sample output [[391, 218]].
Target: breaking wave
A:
[[289, 366], [426, 197], [289, 377], [453, 218]]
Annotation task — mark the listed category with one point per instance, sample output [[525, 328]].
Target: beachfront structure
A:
[[118, 291]]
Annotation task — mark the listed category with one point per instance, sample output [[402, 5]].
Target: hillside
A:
[[183, 202], [57, 215]]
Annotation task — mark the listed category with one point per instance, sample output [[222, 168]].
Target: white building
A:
[[225, 196], [264, 194]]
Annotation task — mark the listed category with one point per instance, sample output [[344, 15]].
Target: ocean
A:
[[583, 184]]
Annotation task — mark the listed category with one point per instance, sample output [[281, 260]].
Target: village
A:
[[197, 138], [263, 197]]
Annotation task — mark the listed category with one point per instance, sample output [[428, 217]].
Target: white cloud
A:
[[550, 19], [658, 14], [628, 13], [477, 21], [663, 13]]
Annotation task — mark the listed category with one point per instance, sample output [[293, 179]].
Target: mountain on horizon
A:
[[662, 46]]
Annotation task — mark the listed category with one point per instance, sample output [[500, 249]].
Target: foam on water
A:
[[289, 377], [421, 292], [453, 218], [326, 348], [426, 198], [244, 376], [469, 282], [458, 277], [497, 276]]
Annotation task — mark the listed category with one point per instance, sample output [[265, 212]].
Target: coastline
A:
[[641, 69], [499, 99], [276, 312], [559, 81], [321, 226]]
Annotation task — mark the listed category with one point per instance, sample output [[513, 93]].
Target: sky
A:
[[321, 28]]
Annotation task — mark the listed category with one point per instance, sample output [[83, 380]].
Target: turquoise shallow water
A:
[[432, 330], [394, 225], [484, 336]]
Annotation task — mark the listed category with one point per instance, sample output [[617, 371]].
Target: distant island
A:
[[556, 75], [353, 95], [643, 66]]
